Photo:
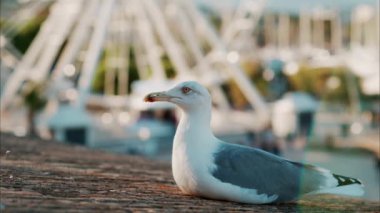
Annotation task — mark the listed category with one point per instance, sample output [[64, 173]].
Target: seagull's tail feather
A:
[[321, 181], [350, 190], [345, 186], [343, 180]]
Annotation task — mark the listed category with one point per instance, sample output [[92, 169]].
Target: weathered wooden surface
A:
[[45, 176]]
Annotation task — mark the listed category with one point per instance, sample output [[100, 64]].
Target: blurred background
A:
[[296, 78]]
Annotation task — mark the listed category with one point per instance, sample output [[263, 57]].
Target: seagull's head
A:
[[189, 96]]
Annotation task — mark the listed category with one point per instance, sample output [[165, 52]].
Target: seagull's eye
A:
[[186, 90]]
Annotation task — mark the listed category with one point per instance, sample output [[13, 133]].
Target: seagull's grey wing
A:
[[269, 174]]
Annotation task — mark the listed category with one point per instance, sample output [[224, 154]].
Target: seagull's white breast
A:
[[191, 162]]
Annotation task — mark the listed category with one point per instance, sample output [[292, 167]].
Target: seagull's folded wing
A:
[[267, 173]]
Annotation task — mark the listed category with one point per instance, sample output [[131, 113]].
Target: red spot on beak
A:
[[149, 98]]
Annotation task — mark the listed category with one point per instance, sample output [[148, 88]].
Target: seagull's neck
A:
[[194, 127], [197, 121]]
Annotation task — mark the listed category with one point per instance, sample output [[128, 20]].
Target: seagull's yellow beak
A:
[[158, 96]]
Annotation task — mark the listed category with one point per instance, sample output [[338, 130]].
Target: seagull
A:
[[205, 166]]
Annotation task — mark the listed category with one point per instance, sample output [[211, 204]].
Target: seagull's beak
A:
[[158, 96]]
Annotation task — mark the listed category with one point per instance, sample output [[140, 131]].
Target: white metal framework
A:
[[78, 33]]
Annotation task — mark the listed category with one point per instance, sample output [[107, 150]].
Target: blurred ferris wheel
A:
[[79, 38]]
